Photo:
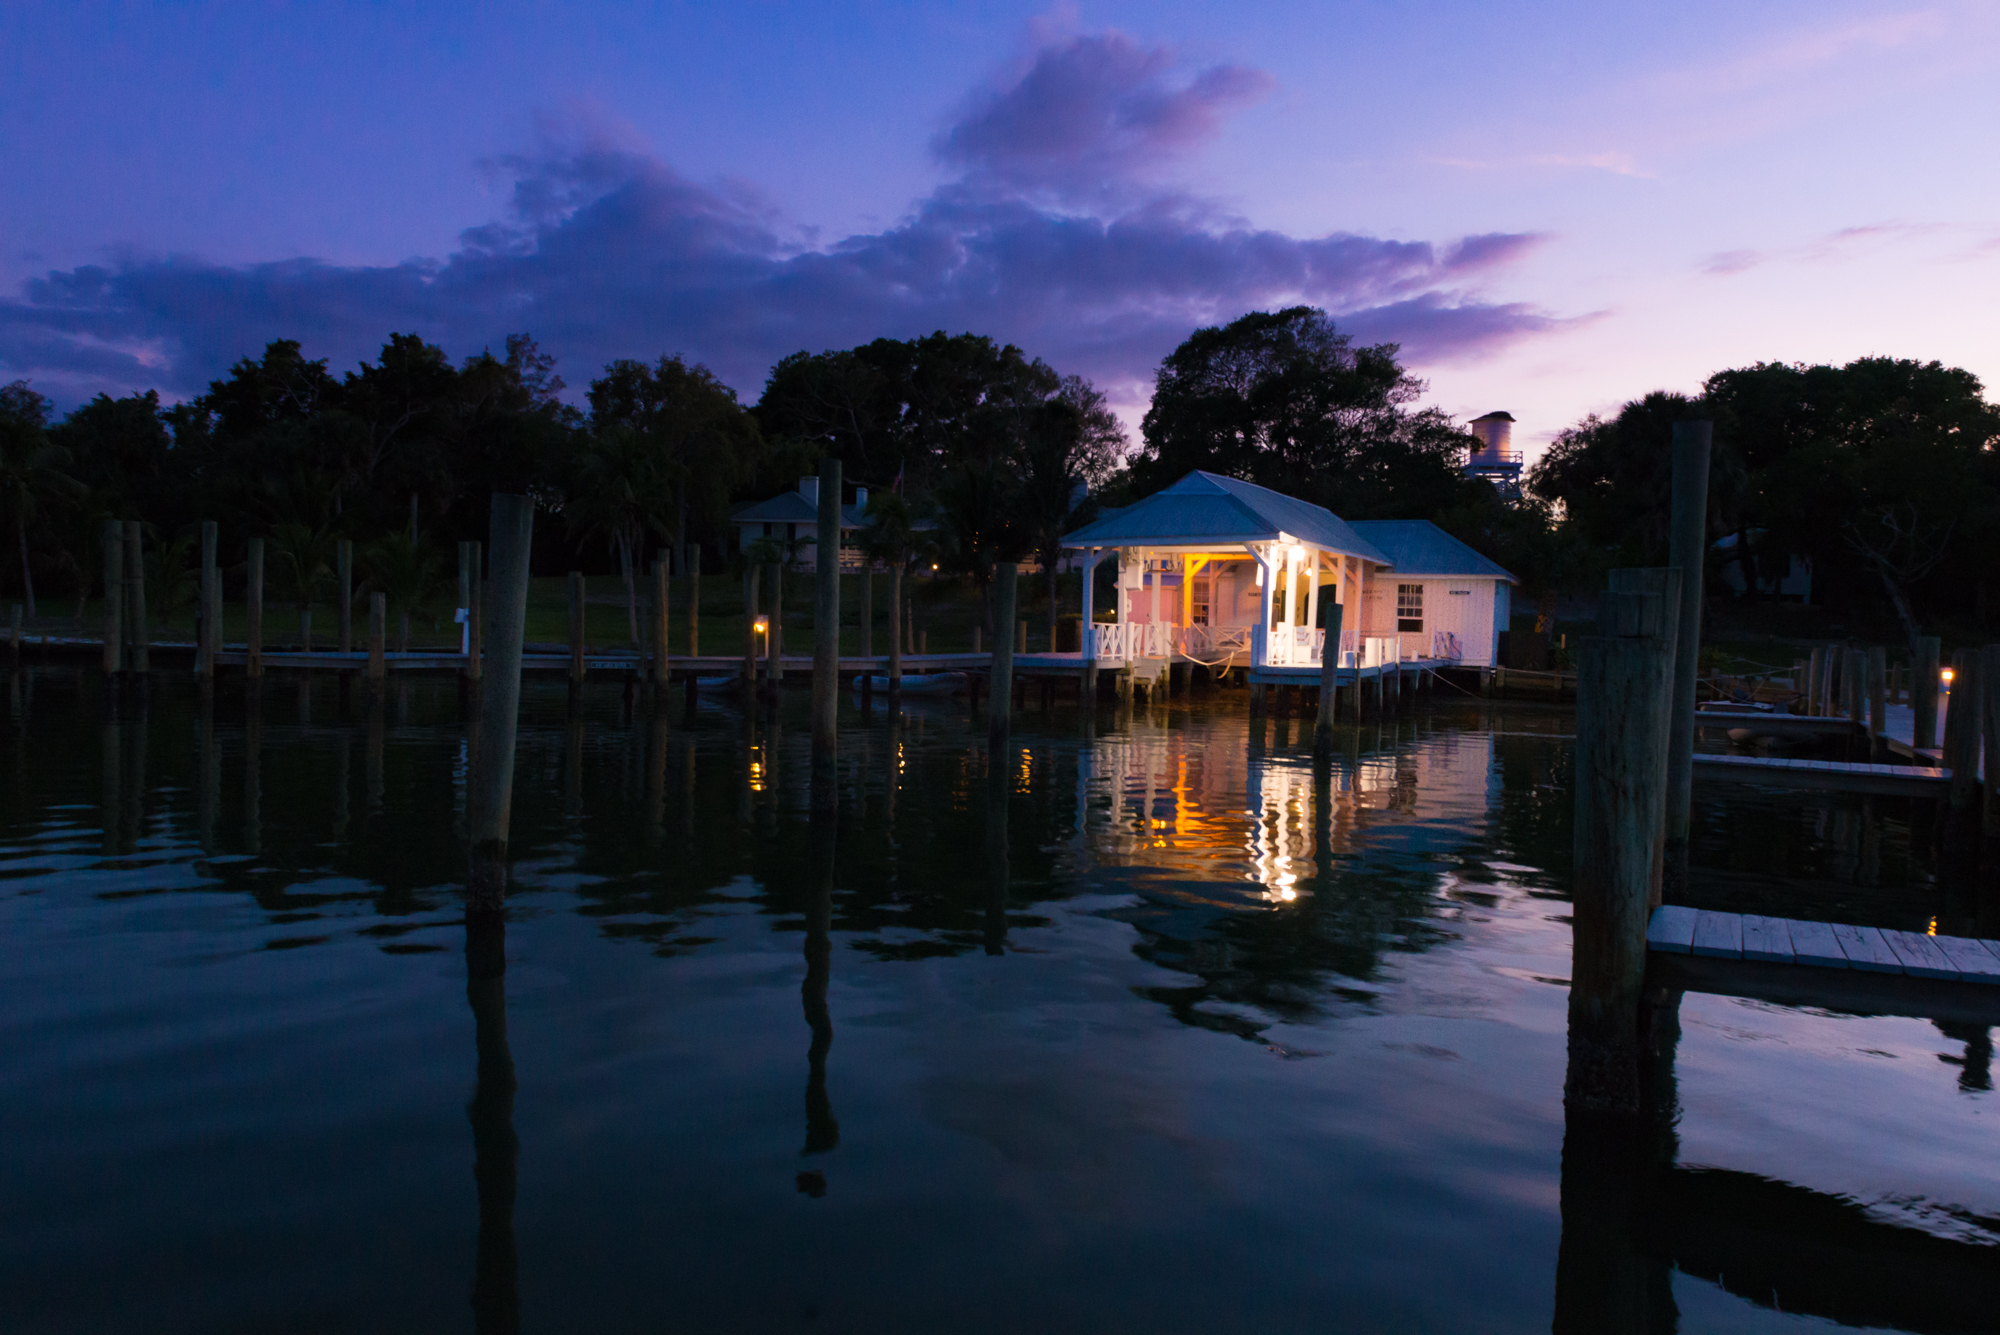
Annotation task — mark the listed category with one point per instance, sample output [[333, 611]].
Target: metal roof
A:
[[1205, 507], [791, 507], [1419, 547]]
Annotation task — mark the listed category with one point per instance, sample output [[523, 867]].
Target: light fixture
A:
[[1947, 676], [763, 625]]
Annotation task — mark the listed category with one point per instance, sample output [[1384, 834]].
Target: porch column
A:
[[1153, 580], [1087, 682], [1312, 591]]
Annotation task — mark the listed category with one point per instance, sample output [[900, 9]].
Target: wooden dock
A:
[[1838, 965], [1842, 776]]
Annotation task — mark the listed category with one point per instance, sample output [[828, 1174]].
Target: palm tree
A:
[[406, 574], [31, 467], [302, 557]]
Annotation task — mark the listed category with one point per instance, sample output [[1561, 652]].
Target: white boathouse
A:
[[1224, 573]]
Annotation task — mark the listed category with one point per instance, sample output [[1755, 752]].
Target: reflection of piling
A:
[[1687, 549], [496, 1150], [253, 769], [1924, 691], [490, 788], [253, 645], [111, 786], [208, 773], [114, 585], [1000, 695], [1621, 766], [1329, 679], [998, 783], [826, 641], [822, 1130]]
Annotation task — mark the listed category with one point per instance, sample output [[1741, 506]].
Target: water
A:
[[1156, 1033]]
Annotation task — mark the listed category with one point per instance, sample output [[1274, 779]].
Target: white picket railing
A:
[[1116, 643]]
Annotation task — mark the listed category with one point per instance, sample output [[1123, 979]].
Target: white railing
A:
[[1211, 644], [1298, 646]]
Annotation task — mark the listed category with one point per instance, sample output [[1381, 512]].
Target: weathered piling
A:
[[1624, 676], [1878, 703], [576, 628], [750, 626], [114, 586], [1000, 704], [1664, 583], [826, 643], [490, 787], [138, 646], [1824, 680], [1811, 684], [895, 626], [1021, 636], [1687, 550], [14, 635], [1329, 684], [1924, 691], [1989, 735], [343, 574], [378, 636], [662, 670], [774, 631], [208, 605], [694, 600], [1961, 739], [253, 642]]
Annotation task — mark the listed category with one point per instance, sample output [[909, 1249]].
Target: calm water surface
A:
[[1159, 1030]]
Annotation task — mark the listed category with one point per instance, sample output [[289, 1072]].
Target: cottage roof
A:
[[1419, 547], [791, 507], [1208, 508]]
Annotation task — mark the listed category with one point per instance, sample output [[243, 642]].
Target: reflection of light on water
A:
[[756, 775]]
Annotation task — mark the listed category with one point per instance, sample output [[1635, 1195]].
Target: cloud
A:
[[605, 251], [1834, 247]]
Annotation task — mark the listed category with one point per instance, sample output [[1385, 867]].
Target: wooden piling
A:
[[662, 657], [1687, 550], [576, 629], [114, 587], [1989, 735], [825, 791], [1021, 636], [253, 643], [750, 626], [490, 787], [978, 643], [694, 599], [1664, 582], [999, 708], [378, 636], [1329, 684], [1961, 738], [343, 574], [774, 636], [895, 626], [1824, 680], [1811, 684], [867, 612], [138, 647], [1924, 691], [14, 635], [1624, 680], [208, 603], [1878, 703]]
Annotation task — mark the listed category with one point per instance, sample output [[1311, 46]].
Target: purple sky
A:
[[1552, 206]]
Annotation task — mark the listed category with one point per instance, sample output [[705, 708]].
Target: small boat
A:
[[928, 683]]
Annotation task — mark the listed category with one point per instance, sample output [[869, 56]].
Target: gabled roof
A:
[[1419, 547], [791, 507], [1205, 507]]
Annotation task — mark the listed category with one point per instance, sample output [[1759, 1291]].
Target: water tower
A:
[[1495, 457]]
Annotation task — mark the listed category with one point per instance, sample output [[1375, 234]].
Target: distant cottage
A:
[[792, 519]]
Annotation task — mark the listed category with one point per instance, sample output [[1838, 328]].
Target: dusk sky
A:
[[1552, 206]]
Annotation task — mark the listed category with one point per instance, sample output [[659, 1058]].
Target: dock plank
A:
[[1719, 935], [1766, 939], [1920, 956], [1865, 949], [1888, 780], [1975, 960], [1814, 943], [1671, 929]]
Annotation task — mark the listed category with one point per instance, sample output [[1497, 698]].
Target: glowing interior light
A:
[[763, 625], [1947, 674]]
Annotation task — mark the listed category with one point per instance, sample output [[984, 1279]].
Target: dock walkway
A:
[[1845, 776]]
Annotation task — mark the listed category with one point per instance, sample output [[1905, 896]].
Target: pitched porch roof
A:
[[1206, 508]]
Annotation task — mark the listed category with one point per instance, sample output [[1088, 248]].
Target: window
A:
[[1409, 607], [1198, 600]]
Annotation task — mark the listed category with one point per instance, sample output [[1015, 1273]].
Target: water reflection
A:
[[496, 1150]]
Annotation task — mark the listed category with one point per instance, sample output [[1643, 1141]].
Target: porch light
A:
[[1947, 675], [763, 625]]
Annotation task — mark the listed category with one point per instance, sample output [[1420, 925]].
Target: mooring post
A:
[[1829, 663], [1925, 692], [1878, 703], [825, 793], [1961, 737], [378, 637], [977, 645], [343, 574], [694, 599], [1687, 548], [1329, 683], [475, 614], [208, 606], [114, 586], [490, 787], [138, 649], [1000, 686], [1664, 582], [774, 634], [1854, 671], [750, 626], [253, 644], [1989, 735], [1811, 685], [576, 629], [895, 629], [868, 611], [1624, 677], [662, 658]]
